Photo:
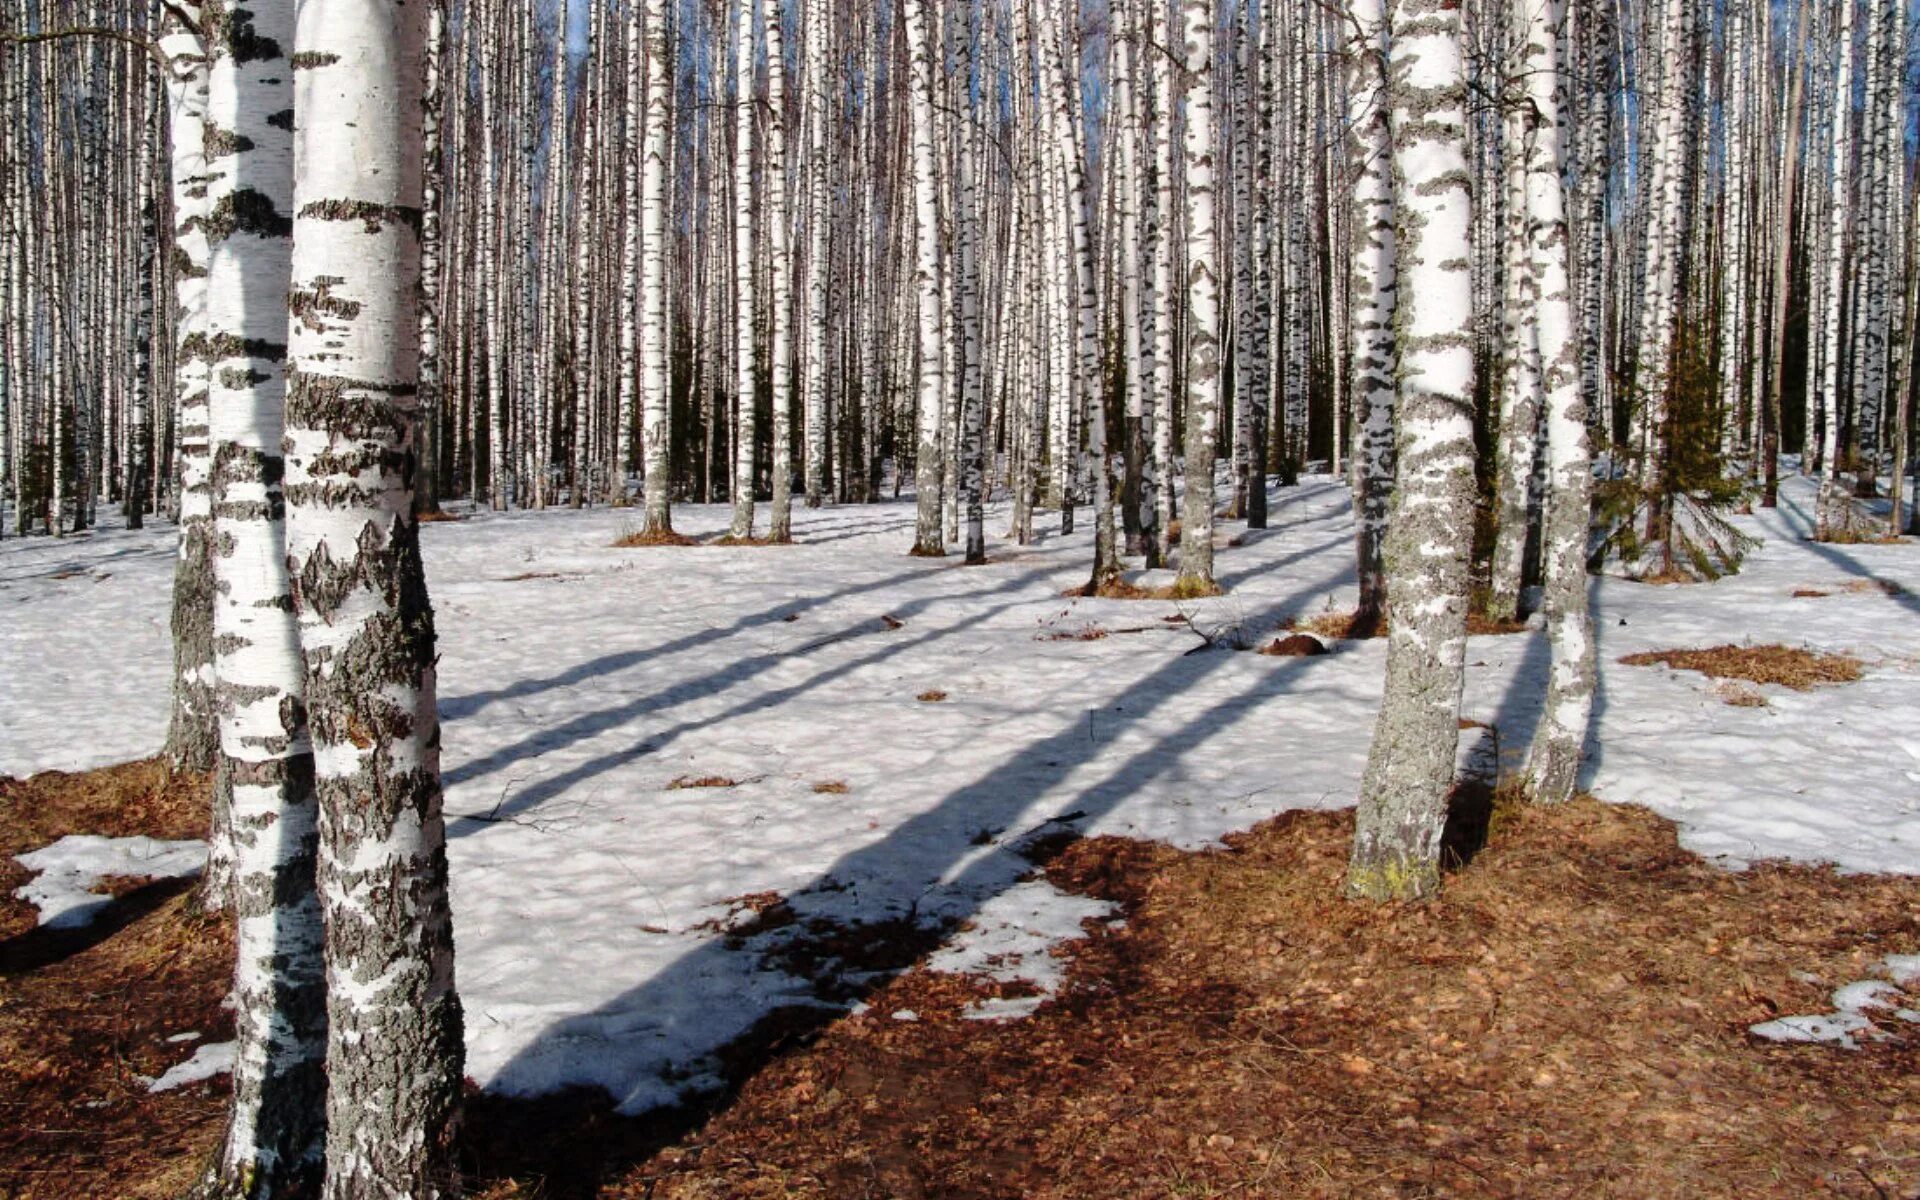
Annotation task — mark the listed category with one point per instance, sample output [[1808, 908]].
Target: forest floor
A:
[[1569, 1019], [721, 818]]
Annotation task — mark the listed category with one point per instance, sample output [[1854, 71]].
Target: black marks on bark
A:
[[246, 211], [377, 216]]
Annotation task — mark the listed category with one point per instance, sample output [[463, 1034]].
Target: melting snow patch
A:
[[215, 1058], [72, 867], [1012, 937], [1848, 1025], [1903, 969]]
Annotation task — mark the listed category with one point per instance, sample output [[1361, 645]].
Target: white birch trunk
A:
[[1203, 304], [1553, 761], [394, 1046], [1410, 769], [1374, 290]]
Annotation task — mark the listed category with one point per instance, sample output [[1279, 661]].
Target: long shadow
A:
[[591, 724], [1348, 576], [864, 531], [46, 944], [864, 911], [1524, 701], [554, 786], [1840, 558], [457, 707]]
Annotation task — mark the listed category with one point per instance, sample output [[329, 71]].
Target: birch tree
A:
[[1553, 761], [929, 540], [1203, 301], [394, 1046], [1410, 768], [656, 383], [265, 834], [1374, 291], [745, 275], [193, 734]]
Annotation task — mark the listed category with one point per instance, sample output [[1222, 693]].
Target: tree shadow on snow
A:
[[773, 983]]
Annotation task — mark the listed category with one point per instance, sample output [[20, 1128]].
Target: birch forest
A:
[[322, 306], [760, 252]]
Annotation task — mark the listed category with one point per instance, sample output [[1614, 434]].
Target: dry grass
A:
[[1858, 587], [1569, 1018], [1341, 627], [1850, 537], [437, 516], [931, 696], [1120, 589], [832, 787], [687, 782], [1086, 633], [637, 539], [1739, 695], [1788, 666], [84, 1014], [1333, 627]]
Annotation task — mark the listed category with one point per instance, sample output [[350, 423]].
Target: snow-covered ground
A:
[[593, 899]]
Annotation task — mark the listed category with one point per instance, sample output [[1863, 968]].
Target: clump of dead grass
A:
[[1086, 633], [1736, 694], [1334, 626], [1568, 1017], [1858, 587], [831, 787], [688, 782], [931, 696], [634, 539], [1342, 626], [1121, 589], [1787, 666]]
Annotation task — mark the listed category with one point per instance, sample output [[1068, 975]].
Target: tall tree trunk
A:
[[394, 1046], [274, 1144], [929, 540], [745, 274], [1203, 303], [193, 735], [656, 377], [1410, 768], [1374, 291], [1553, 761]]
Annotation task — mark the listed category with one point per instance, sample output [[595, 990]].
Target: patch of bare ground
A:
[[1121, 589], [85, 1014], [1789, 666], [1294, 645], [1343, 626], [1085, 633], [931, 696], [1857, 587], [437, 516], [686, 782], [832, 787], [639, 539], [1569, 1018]]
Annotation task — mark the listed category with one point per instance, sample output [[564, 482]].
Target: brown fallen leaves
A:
[[1788, 666], [84, 1015], [1569, 1018]]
